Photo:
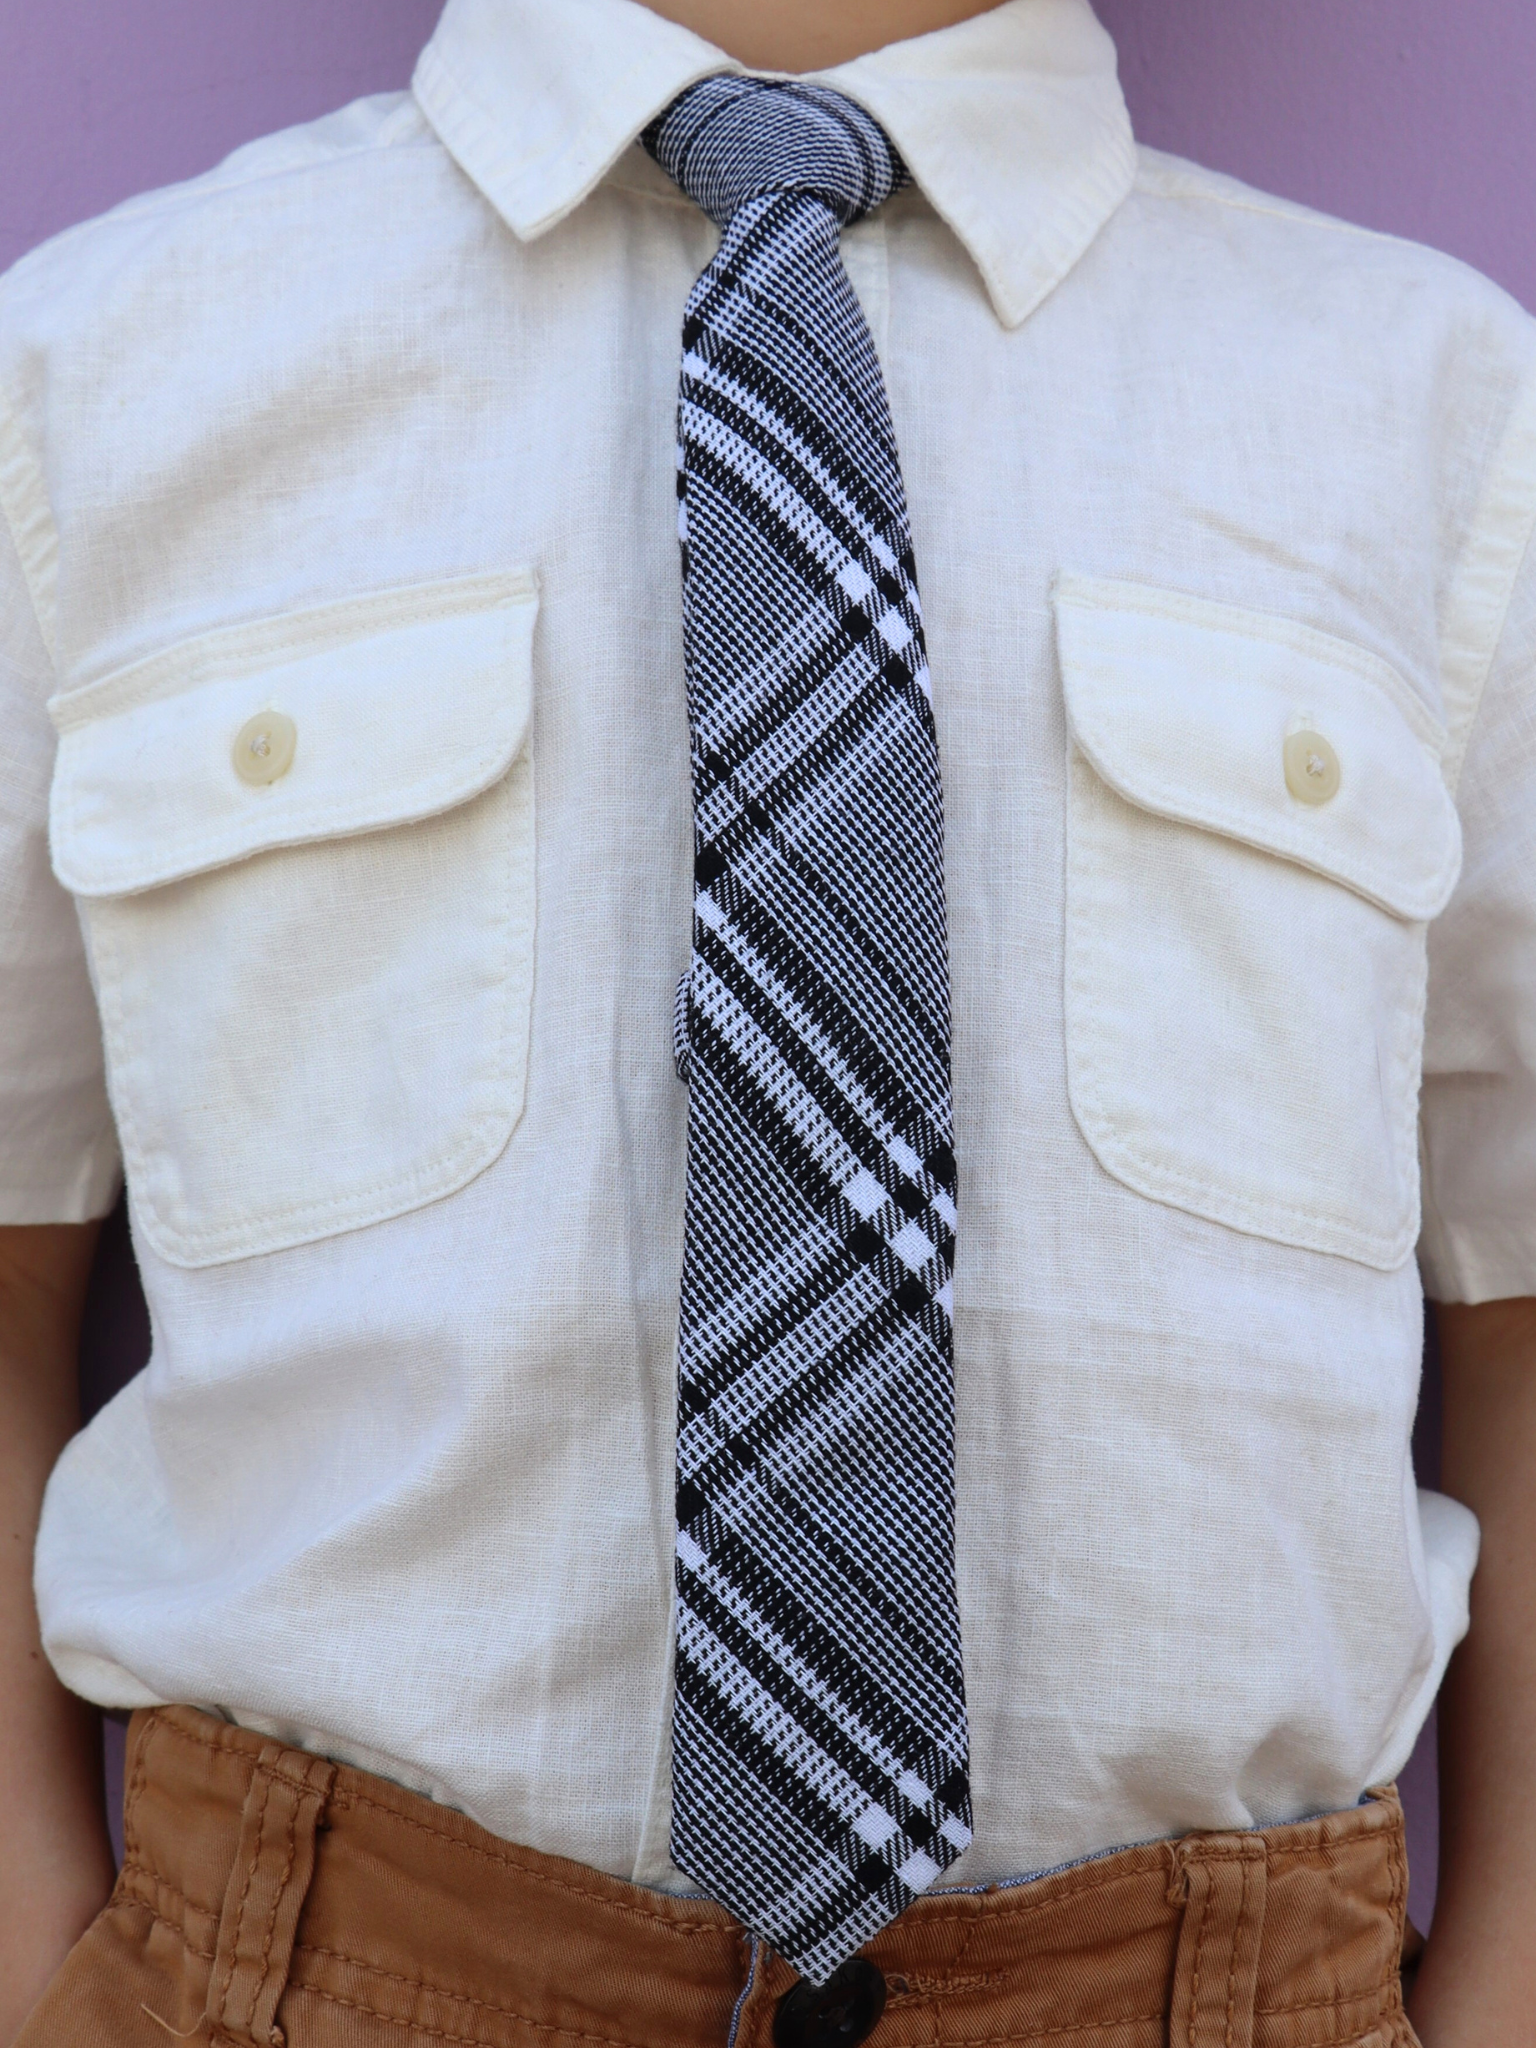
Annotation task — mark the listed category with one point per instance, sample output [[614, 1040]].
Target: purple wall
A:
[[1409, 115], [102, 98]]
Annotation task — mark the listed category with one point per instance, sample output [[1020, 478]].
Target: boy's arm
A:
[[1477, 1984], [55, 1856]]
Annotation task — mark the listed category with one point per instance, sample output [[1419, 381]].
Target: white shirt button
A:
[[264, 747], [1311, 768]]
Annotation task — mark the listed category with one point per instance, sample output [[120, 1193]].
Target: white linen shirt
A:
[[1215, 501]]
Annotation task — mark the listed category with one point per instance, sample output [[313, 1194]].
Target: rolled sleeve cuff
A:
[[1491, 1259], [77, 1190]]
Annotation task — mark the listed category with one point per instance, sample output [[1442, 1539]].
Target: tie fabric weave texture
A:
[[820, 1756]]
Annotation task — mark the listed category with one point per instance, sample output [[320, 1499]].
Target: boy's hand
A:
[[1477, 1985], [55, 1856]]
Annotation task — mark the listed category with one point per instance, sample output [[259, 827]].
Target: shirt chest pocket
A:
[[1258, 831], [304, 855]]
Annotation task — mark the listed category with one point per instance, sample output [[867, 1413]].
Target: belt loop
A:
[[267, 1885], [1216, 1971]]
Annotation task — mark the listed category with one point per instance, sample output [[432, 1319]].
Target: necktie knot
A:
[[730, 139]]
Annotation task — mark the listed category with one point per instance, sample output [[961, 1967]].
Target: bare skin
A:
[[1477, 1986], [55, 1856], [809, 35], [1478, 1982]]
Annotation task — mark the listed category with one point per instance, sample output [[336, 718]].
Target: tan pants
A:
[[269, 1896]]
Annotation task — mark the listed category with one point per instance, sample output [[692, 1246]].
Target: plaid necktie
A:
[[820, 1773]]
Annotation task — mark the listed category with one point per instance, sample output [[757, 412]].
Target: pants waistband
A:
[[304, 1901]]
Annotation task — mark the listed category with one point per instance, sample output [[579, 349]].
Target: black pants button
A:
[[837, 2014]]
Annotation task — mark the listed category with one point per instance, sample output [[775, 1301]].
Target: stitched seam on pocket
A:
[[283, 1227], [1090, 594], [284, 815], [476, 2005], [1269, 831], [153, 1895], [467, 780], [1315, 1229], [183, 1935], [233, 652], [1165, 799], [523, 1862]]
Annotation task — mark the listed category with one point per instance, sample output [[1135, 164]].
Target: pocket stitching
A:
[[249, 651], [268, 640], [1227, 823], [473, 778], [1089, 594], [190, 1247], [1084, 1067]]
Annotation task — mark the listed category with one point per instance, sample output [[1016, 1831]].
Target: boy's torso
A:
[[389, 1036]]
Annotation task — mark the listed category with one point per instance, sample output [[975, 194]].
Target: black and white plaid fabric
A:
[[820, 1764]]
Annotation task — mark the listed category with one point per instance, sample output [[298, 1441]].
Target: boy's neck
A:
[[810, 35]]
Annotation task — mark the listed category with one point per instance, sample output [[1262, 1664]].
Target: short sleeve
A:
[[1479, 1103], [58, 1149]]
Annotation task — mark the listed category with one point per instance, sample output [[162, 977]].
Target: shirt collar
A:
[[1012, 123]]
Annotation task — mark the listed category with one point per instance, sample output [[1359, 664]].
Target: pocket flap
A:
[[400, 705], [1184, 707]]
